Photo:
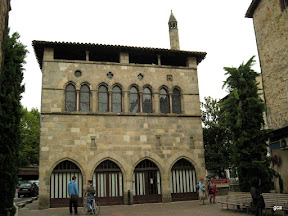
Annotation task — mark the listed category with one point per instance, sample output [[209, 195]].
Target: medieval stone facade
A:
[[126, 117], [4, 10], [270, 19]]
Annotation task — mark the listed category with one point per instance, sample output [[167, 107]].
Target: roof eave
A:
[[252, 8], [40, 45]]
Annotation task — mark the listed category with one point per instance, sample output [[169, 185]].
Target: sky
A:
[[218, 28]]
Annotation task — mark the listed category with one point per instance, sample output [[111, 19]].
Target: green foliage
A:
[[216, 138], [243, 109], [10, 95], [30, 138]]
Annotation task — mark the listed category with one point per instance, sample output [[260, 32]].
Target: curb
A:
[[20, 205], [29, 201], [23, 204]]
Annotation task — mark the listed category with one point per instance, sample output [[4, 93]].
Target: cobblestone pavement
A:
[[183, 208]]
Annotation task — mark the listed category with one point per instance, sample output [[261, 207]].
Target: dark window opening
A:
[[78, 73], [176, 101], [134, 100], [147, 100], [69, 53], [172, 60], [164, 101], [70, 100], [84, 98], [146, 164], [107, 165], [117, 100], [104, 56], [283, 4], [183, 164], [138, 58], [103, 98], [67, 165]]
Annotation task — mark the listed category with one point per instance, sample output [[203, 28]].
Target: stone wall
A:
[[271, 24], [4, 9]]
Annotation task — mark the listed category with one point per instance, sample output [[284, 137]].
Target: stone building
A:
[[270, 18], [4, 15], [126, 117]]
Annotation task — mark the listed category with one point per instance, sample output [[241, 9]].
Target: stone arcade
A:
[[126, 117]]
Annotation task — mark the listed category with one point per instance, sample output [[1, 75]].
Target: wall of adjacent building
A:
[[271, 24], [4, 10]]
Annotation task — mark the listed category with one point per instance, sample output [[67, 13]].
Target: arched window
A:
[[59, 179], [134, 100], [146, 182], [116, 100], [164, 101], [103, 99], [85, 98], [183, 181], [176, 101], [147, 100], [70, 100]]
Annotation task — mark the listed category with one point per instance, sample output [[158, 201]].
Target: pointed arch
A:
[[134, 99], [183, 180], [164, 100], [108, 182], [84, 98], [103, 98], [146, 182], [176, 100], [147, 99], [70, 97], [117, 98], [60, 177]]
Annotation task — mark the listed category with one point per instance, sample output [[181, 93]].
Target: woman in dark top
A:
[[256, 193]]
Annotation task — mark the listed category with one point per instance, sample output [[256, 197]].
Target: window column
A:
[[110, 101], [156, 104], [126, 101], [77, 100], [140, 102], [170, 102]]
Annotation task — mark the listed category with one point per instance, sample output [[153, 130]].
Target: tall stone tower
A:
[[270, 19], [173, 33]]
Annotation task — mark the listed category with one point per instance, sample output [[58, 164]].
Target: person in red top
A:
[[211, 187]]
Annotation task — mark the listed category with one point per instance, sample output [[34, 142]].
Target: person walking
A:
[[211, 187], [74, 195], [201, 190], [89, 192], [256, 193]]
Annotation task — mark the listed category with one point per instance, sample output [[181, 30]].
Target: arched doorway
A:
[[183, 181], [146, 183], [60, 177], [108, 182]]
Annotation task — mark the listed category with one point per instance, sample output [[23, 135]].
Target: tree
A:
[[30, 138], [216, 138], [243, 110], [10, 95]]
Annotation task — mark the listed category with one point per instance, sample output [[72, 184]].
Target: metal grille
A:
[[108, 180], [60, 178]]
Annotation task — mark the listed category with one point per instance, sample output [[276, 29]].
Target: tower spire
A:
[[173, 32]]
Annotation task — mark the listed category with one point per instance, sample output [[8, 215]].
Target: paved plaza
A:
[[182, 208]]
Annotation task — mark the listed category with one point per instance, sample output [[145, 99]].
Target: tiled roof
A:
[[252, 8], [172, 18], [40, 45]]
